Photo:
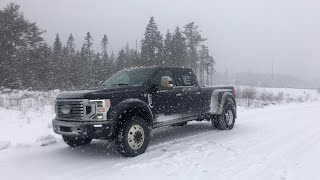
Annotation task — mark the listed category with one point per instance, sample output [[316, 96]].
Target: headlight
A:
[[102, 107]]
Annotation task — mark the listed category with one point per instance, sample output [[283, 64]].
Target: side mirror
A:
[[166, 83]]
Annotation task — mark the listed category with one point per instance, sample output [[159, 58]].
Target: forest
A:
[[28, 61]]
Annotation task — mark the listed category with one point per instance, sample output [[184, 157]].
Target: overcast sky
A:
[[243, 35]]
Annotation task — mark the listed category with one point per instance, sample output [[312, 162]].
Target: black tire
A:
[[74, 141], [222, 122], [181, 124], [132, 137]]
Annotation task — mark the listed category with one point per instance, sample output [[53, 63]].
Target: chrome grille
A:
[[76, 110]]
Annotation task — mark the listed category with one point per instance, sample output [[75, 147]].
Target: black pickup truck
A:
[[132, 102]]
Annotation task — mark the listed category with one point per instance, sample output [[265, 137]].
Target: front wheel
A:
[[74, 141], [226, 120], [133, 137]]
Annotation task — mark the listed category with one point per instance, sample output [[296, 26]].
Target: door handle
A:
[[178, 94]]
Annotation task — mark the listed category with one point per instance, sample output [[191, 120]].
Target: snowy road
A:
[[280, 142]]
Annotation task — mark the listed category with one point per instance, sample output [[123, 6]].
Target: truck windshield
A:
[[129, 77]]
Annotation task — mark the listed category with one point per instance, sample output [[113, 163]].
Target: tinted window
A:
[[185, 78], [162, 73]]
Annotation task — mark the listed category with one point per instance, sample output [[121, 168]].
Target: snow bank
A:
[[4, 144], [258, 97], [26, 116]]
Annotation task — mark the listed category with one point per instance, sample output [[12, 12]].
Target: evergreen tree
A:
[[193, 38], [56, 65], [130, 55], [97, 68], [86, 50], [86, 61], [70, 63], [120, 64], [167, 50], [152, 45], [18, 36], [104, 45], [112, 61], [107, 65], [136, 59], [39, 73], [206, 64], [70, 47], [57, 46], [178, 49], [77, 79]]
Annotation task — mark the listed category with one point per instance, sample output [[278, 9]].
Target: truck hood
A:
[[98, 93]]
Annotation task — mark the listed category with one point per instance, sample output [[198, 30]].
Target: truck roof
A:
[[158, 67]]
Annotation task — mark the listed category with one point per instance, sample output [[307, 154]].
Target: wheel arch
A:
[[219, 98], [227, 98], [131, 107]]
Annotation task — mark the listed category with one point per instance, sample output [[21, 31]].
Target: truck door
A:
[[191, 92], [166, 104]]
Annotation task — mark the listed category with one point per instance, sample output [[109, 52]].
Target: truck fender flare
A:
[[131, 105], [218, 100], [227, 97]]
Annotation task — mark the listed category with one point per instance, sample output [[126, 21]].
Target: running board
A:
[[175, 121]]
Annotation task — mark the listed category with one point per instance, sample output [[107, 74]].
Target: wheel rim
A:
[[136, 137], [229, 117]]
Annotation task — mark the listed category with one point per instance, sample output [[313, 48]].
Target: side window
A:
[[185, 78], [162, 73]]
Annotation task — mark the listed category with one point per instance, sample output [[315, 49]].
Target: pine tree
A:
[[193, 38], [97, 67], [120, 64], [77, 80], [112, 61], [107, 65], [18, 37], [40, 61], [167, 48], [206, 64], [56, 65], [210, 68], [136, 60], [86, 61], [104, 45], [152, 45], [179, 49], [130, 55], [70, 47], [57, 46], [70, 63], [86, 50]]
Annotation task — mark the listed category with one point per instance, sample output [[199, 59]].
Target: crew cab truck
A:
[[133, 102]]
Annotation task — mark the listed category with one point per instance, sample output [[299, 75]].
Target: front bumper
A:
[[95, 130]]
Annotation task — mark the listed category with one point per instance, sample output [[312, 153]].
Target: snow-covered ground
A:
[[274, 142]]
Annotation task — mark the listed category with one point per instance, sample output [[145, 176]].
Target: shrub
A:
[[266, 96], [248, 93], [280, 96]]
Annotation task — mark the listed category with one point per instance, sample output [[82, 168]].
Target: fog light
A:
[[98, 116]]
